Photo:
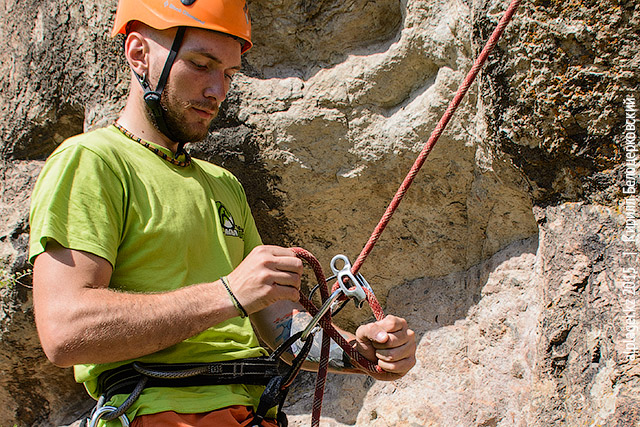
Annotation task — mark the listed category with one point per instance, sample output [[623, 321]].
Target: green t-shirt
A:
[[161, 227]]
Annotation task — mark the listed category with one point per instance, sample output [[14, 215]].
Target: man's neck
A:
[[134, 118]]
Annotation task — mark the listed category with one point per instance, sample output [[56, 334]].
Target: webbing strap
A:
[[123, 380], [152, 97]]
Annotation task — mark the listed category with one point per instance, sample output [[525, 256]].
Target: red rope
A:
[[453, 105], [329, 333], [325, 322]]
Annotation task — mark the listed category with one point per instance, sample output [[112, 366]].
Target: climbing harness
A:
[[133, 378], [349, 285]]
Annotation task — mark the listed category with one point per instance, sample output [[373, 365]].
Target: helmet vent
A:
[[188, 2]]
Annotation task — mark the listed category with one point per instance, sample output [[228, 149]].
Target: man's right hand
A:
[[267, 275]]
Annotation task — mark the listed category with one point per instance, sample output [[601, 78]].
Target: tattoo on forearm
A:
[[291, 323], [283, 328]]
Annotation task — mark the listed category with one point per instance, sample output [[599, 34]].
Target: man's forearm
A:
[[109, 326], [80, 320]]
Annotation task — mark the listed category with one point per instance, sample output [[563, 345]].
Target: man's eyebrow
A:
[[215, 58]]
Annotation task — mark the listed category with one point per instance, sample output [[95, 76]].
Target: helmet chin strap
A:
[[152, 97]]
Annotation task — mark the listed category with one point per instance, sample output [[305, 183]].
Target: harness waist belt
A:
[[123, 380]]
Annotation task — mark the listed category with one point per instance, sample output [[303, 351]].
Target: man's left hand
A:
[[390, 343]]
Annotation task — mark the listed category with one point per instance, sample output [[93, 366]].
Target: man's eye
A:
[[199, 66]]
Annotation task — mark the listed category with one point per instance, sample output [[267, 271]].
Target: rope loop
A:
[[329, 333]]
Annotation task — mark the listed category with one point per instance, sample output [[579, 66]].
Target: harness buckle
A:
[[358, 282]]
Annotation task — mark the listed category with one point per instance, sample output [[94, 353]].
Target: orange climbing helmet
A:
[[225, 16]]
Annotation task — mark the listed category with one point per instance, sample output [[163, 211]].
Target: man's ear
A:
[[136, 50]]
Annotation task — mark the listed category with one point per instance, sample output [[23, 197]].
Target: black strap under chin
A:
[[152, 97]]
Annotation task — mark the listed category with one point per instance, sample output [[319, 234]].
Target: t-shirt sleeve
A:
[[77, 201]]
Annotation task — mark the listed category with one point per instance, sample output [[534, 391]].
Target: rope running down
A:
[[328, 330]]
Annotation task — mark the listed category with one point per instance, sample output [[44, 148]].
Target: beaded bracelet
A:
[[241, 311]]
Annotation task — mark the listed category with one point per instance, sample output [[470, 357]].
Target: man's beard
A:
[[172, 112]]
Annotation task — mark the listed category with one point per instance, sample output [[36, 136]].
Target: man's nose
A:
[[217, 87]]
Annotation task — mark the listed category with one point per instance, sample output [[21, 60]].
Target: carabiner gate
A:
[[311, 326]]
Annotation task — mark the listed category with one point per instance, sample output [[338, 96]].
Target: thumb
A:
[[367, 338], [372, 332]]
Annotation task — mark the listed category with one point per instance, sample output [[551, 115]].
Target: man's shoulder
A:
[[215, 171], [100, 141], [99, 145]]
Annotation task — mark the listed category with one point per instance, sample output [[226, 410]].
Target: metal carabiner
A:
[[104, 410], [310, 329], [356, 292]]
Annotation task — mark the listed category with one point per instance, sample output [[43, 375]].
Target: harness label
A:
[[215, 369]]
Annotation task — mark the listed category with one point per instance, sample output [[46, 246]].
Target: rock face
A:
[[510, 253], [531, 337]]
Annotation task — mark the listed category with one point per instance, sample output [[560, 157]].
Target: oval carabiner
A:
[[104, 410]]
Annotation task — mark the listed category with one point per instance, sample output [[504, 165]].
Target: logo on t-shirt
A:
[[229, 227]]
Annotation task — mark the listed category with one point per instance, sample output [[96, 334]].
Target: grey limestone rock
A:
[[506, 255]]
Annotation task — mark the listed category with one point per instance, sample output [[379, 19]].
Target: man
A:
[[143, 254]]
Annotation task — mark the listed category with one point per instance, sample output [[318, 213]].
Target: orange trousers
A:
[[233, 416]]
